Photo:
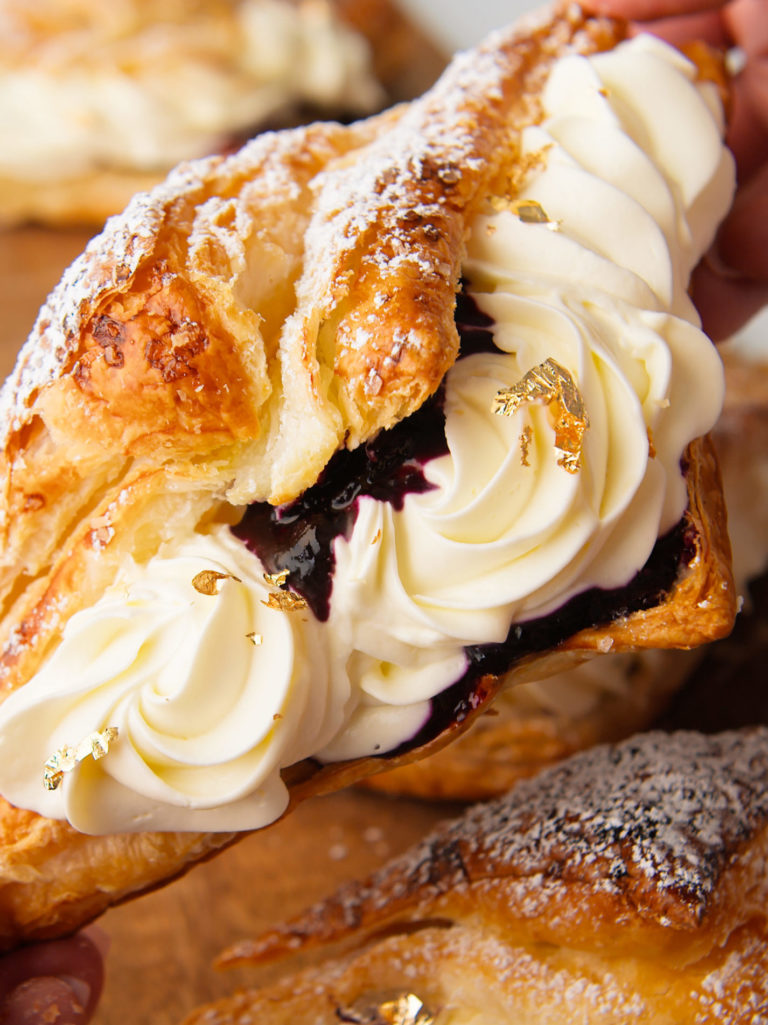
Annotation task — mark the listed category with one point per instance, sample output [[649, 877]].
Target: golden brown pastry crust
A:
[[205, 349], [404, 61], [627, 884], [465, 967]]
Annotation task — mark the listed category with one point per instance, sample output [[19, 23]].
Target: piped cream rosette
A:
[[586, 267], [208, 684], [583, 274]]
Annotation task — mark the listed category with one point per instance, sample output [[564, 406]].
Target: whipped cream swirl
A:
[[211, 694], [586, 267]]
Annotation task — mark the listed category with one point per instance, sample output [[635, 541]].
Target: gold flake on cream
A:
[[555, 387], [207, 581], [96, 745]]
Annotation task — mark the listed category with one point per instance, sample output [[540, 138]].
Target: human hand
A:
[[731, 283], [57, 982]]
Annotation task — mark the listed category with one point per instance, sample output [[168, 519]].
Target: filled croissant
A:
[[100, 100], [626, 884], [265, 533]]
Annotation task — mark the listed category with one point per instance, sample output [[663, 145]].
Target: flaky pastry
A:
[[238, 338], [627, 884], [99, 101]]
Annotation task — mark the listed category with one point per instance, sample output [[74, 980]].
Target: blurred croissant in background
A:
[[98, 101]]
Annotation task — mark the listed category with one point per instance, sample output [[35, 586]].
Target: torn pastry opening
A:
[[255, 606]]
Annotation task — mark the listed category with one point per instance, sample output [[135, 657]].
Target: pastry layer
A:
[[627, 884]]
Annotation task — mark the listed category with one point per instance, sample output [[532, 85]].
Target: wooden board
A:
[[162, 944]]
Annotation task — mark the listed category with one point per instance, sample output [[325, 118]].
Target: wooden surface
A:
[[162, 944]]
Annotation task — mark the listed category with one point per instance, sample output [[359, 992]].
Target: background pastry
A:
[[213, 348], [98, 101], [626, 884]]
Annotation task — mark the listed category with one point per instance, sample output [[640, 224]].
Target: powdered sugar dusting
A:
[[739, 982], [663, 808], [654, 821], [442, 134], [107, 264]]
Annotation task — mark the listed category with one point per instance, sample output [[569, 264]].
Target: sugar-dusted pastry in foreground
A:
[[99, 100], [542, 721], [627, 884], [279, 512]]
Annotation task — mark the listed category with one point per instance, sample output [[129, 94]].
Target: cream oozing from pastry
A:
[[111, 95], [211, 695], [587, 266], [596, 282]]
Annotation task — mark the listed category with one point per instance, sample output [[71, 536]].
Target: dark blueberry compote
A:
[[298, 537], [475, 327]]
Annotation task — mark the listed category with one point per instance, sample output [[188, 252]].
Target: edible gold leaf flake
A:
[[551, 384], [282, 599], [525, 444], [285, 601], [530, 212], [96, 745], [255, 638], [405, 1009], [276, 579], [207, 581], [651, 446]]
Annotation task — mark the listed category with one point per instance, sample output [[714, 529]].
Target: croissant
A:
[[99, 101], [626, 884], [264, 534]]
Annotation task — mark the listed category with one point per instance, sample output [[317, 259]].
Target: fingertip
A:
[[726, 302], [748, 25], [62, 979], [46, 999], [98, 938], [649, 10]]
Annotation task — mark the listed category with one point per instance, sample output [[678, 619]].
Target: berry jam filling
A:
[[595, 607], [298, 537]]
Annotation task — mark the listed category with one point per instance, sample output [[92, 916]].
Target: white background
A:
[[458, 24]]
